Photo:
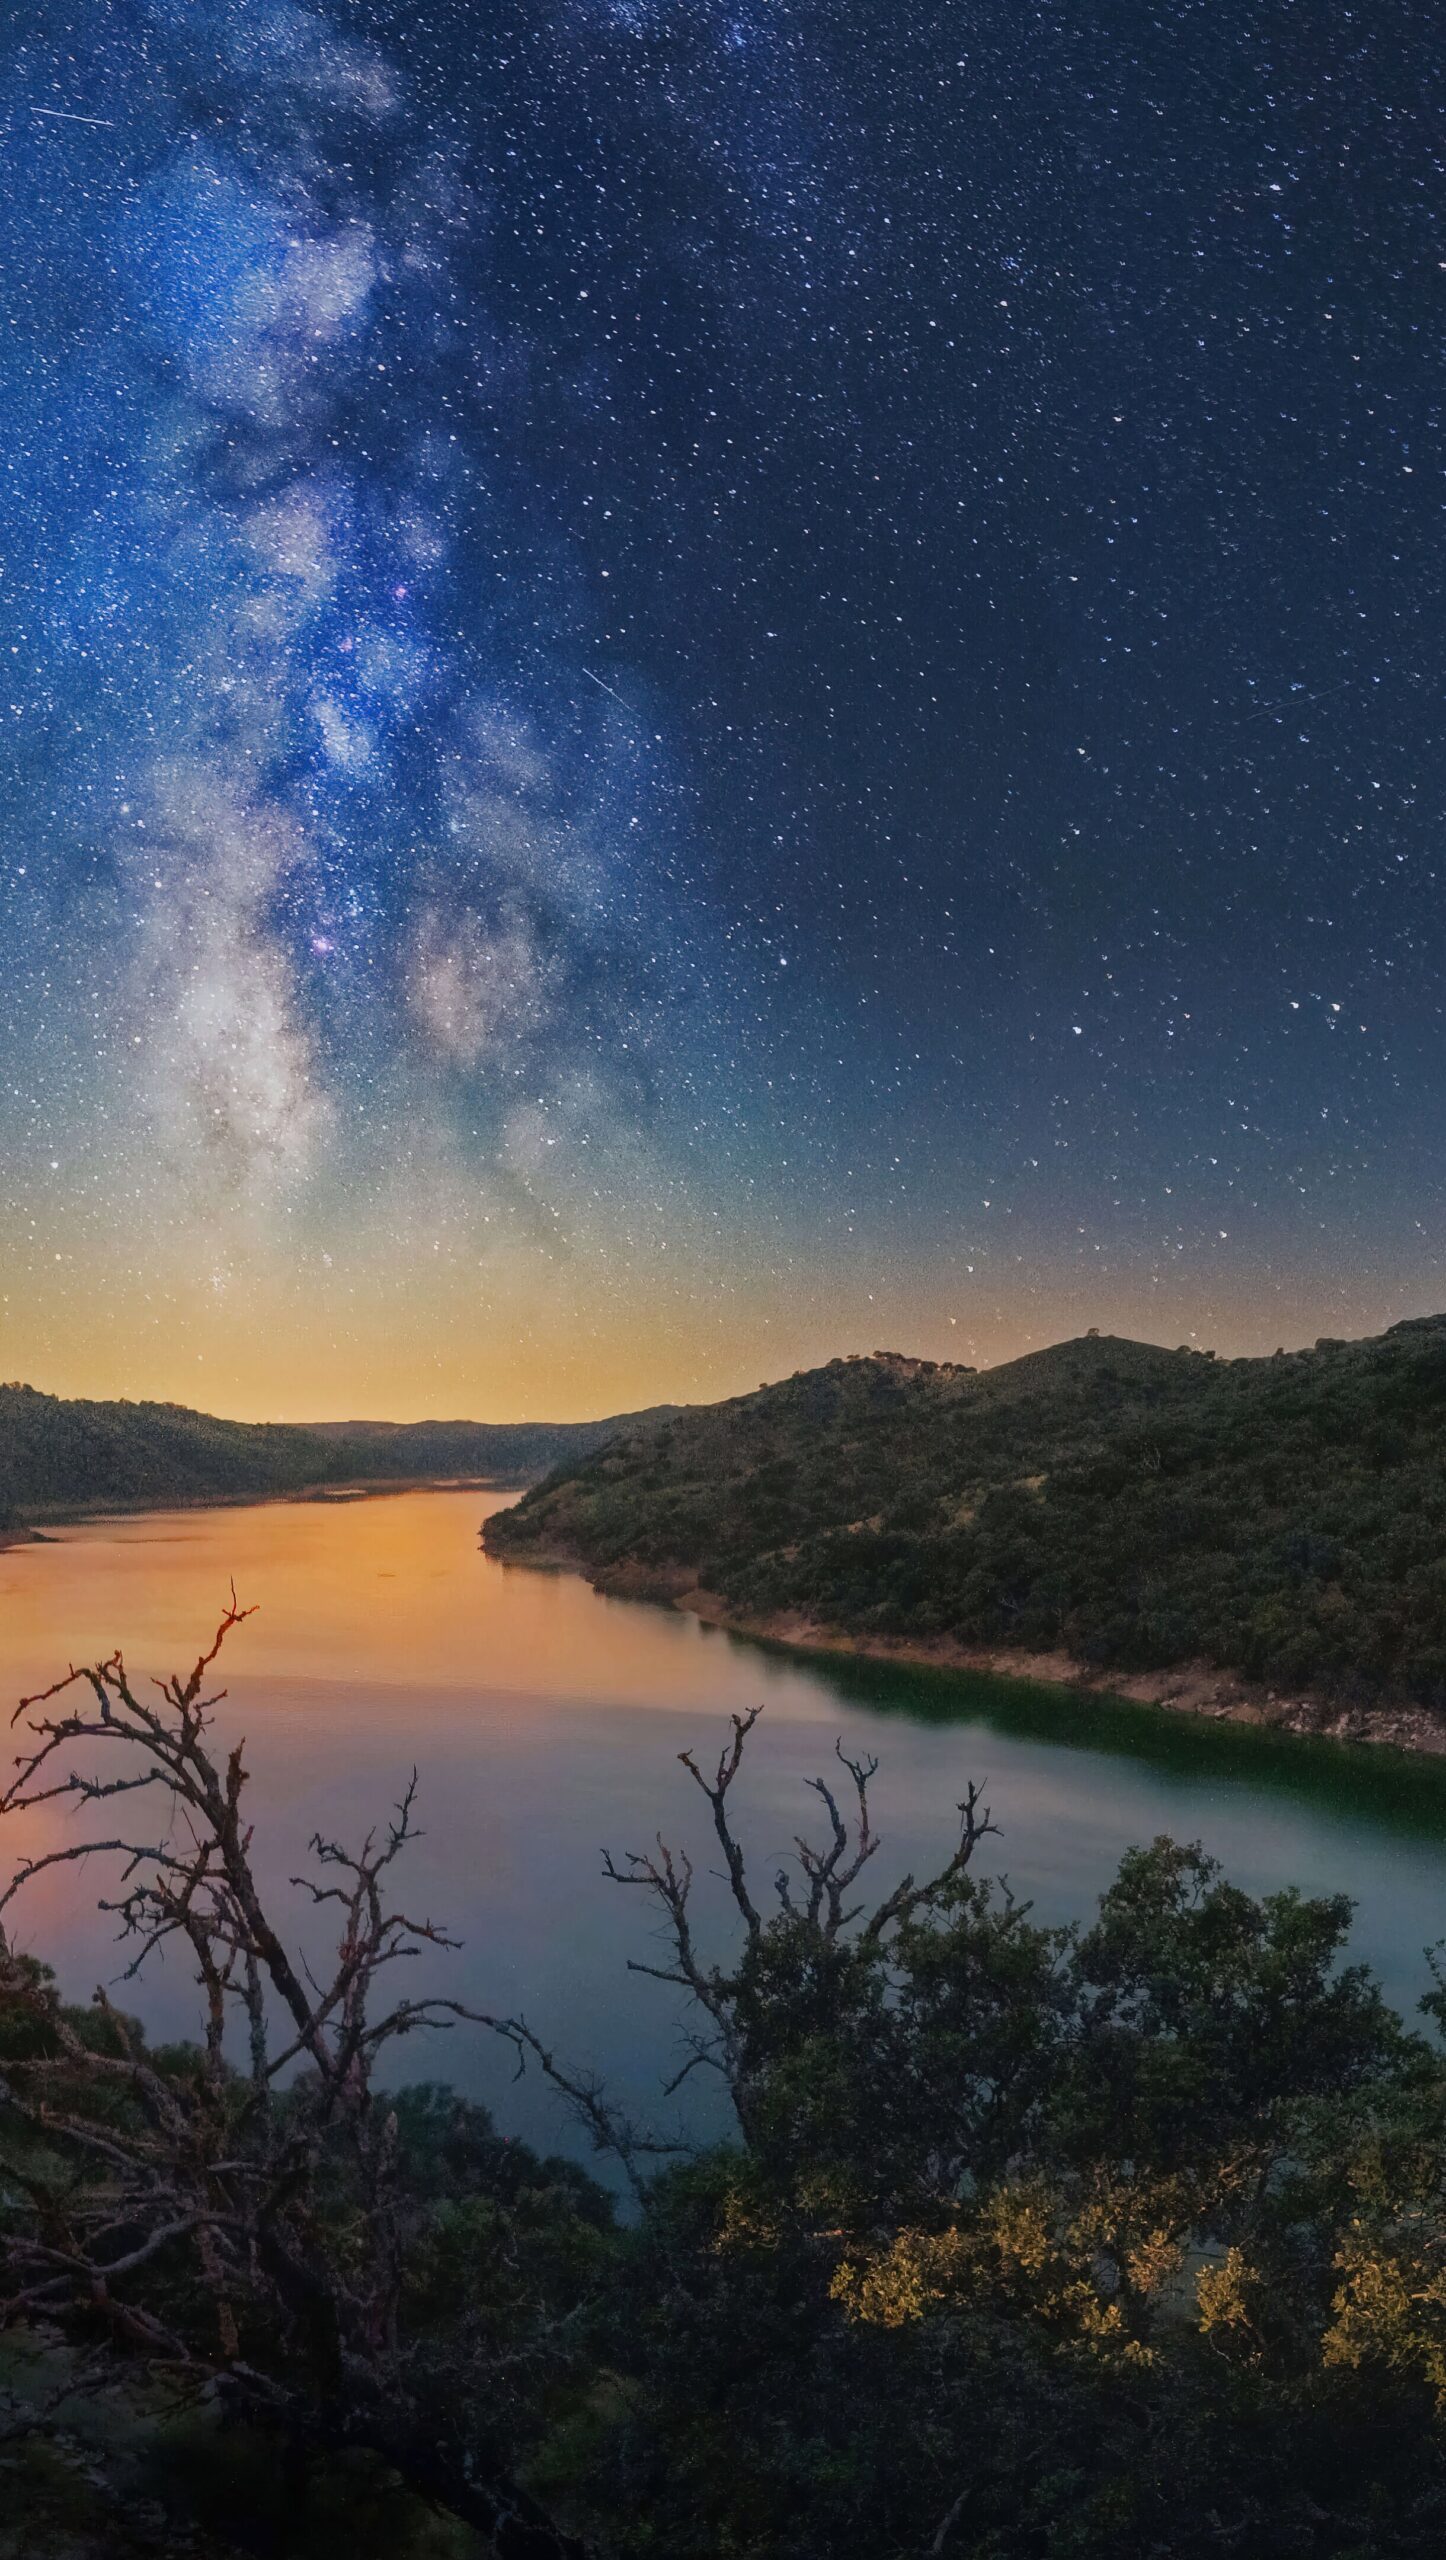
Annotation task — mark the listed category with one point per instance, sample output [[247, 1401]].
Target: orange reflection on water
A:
[[383, 1636], [543, 1721], [389, 1590]]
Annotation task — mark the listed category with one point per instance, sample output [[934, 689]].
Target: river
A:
[[545, 1723]]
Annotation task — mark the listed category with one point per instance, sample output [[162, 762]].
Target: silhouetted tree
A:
[[250, 2228]]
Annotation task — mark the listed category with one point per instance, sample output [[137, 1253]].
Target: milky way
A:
[[690, 686]]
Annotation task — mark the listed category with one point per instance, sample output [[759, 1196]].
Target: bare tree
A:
[[238, 2218], [812, 1909], [238, 2221]]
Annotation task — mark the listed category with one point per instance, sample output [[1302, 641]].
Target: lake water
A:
[[545, 1723]]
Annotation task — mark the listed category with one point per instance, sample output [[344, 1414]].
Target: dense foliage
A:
[[1107, 2246], [58, 1455], [1025, 2244], [1283, 1519]]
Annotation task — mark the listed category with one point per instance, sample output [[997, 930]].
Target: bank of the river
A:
[[1190, 1688]]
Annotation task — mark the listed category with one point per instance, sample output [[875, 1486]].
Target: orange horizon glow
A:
[[537, 1350]]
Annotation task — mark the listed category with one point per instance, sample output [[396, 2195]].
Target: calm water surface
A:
[[545, 1723]]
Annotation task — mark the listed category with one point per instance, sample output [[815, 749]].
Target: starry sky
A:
[[693, 683]]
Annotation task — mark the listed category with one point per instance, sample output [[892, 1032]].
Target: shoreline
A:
[[1190, 1688]]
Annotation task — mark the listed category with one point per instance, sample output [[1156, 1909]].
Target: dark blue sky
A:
[[738, 666]]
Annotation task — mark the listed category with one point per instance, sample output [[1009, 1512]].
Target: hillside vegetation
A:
[[514, 1452], [59, 1455], [1283, 1519]]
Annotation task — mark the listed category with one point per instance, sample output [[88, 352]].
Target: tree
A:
[[1113, 2241], [255, 2229]]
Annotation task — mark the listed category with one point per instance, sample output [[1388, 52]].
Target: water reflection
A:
[[545, 1722]]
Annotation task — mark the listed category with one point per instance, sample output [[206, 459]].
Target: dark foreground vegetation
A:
[[1282, 1519], [1020, 2243], [59, 1455]]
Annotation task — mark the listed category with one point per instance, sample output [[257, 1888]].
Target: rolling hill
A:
[[509, 1452], [59, 1456], [1282, 1520]]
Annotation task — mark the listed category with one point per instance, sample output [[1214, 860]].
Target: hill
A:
[[1281, 1520], [60, 1455], [512, 1452]]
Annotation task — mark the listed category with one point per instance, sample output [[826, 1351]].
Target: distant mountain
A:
[[516, 1451], [59, 1455], [1283, 1519]]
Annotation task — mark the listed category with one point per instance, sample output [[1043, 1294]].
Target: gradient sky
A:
[[693, 685]]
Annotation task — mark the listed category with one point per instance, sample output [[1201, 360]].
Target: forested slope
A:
[[58, 1455], [1282, 1518], [513, 1452]]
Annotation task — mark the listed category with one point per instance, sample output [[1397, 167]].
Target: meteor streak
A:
[[66, 115]]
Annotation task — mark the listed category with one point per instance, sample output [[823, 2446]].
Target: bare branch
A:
[[611, 2131], [224, 2180], [975, 1824], [729, 1762]]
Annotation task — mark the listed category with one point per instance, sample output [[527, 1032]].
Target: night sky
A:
[[691, 686]]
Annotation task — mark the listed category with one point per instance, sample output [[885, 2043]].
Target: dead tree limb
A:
[[235, 2221]]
